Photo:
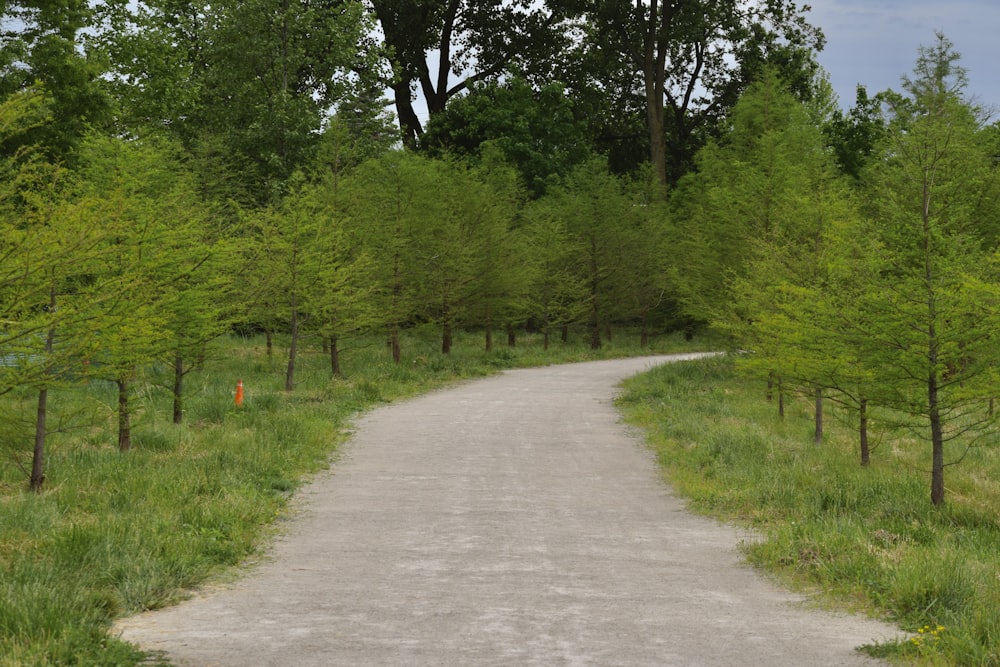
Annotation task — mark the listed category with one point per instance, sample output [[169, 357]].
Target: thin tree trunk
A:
[[595, 315], [394, 345], [124, 416], [269, 338], [511, 336], [564, 335], [863, 432], [781, 399], [178, 388], [292, 348], [446, 337], [818, 438], [38, 456], [937, 439], [335, 369]]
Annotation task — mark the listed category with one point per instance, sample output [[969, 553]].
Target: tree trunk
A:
[[781, 399], [178, 388], [818, 437], [446, 338], [335, 369], [124, 416], [545, 338], [653, 64], [937, 439], [394, 346], [41, 413], [511, 336], [595, 315], [293, 345], [269, 338], [863, 432], [38, 456], [564, 335]]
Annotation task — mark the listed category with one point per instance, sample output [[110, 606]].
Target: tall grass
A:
[[116, 533], [865, 538]]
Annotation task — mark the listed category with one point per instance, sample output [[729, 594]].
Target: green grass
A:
[[113, 534], [866, 539]]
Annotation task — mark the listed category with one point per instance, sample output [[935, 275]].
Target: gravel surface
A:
[[511, 520]]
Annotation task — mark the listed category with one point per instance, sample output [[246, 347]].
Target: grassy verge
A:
[[113, 534], [860, 538]]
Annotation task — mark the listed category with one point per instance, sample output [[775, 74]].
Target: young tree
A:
[[935, 313], [596, 213], [388, 202], [46, 241], [155, 297]]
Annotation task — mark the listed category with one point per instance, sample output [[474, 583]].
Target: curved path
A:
[[507, 521]]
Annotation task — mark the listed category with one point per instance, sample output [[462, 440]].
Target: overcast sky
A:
[[875, 42]]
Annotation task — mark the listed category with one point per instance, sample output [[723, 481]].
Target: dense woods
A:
[[172, 171]]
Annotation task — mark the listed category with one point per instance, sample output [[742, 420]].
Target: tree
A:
[[388, 203], [855, 136], [595, 212], [502, 264], [251, 83], [691, 59], [41, 49], [147, 272], [934, 313], [534, 130], [763, 203], [429, 42], [45, 244]]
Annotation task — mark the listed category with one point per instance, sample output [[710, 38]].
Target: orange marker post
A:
[[239, 393]]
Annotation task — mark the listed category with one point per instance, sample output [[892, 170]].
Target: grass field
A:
[[858, 538], [116, 533]]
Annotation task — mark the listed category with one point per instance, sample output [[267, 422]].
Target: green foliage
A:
[[534, 130]]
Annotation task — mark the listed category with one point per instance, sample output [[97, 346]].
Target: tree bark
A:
[[781, 399], [863, 432], [178, 388], [335, 369], [124, 416], [38, 456], [446, 337], [818, 437], [293, 344], [653, 63]]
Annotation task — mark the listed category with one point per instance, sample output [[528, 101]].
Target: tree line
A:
[[174, 169]]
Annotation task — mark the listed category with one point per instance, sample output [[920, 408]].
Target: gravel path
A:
[[507, 521]]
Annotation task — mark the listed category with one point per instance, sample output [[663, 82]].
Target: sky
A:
[[875, 42]]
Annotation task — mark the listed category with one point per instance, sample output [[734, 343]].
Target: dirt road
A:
[[507, 521]]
